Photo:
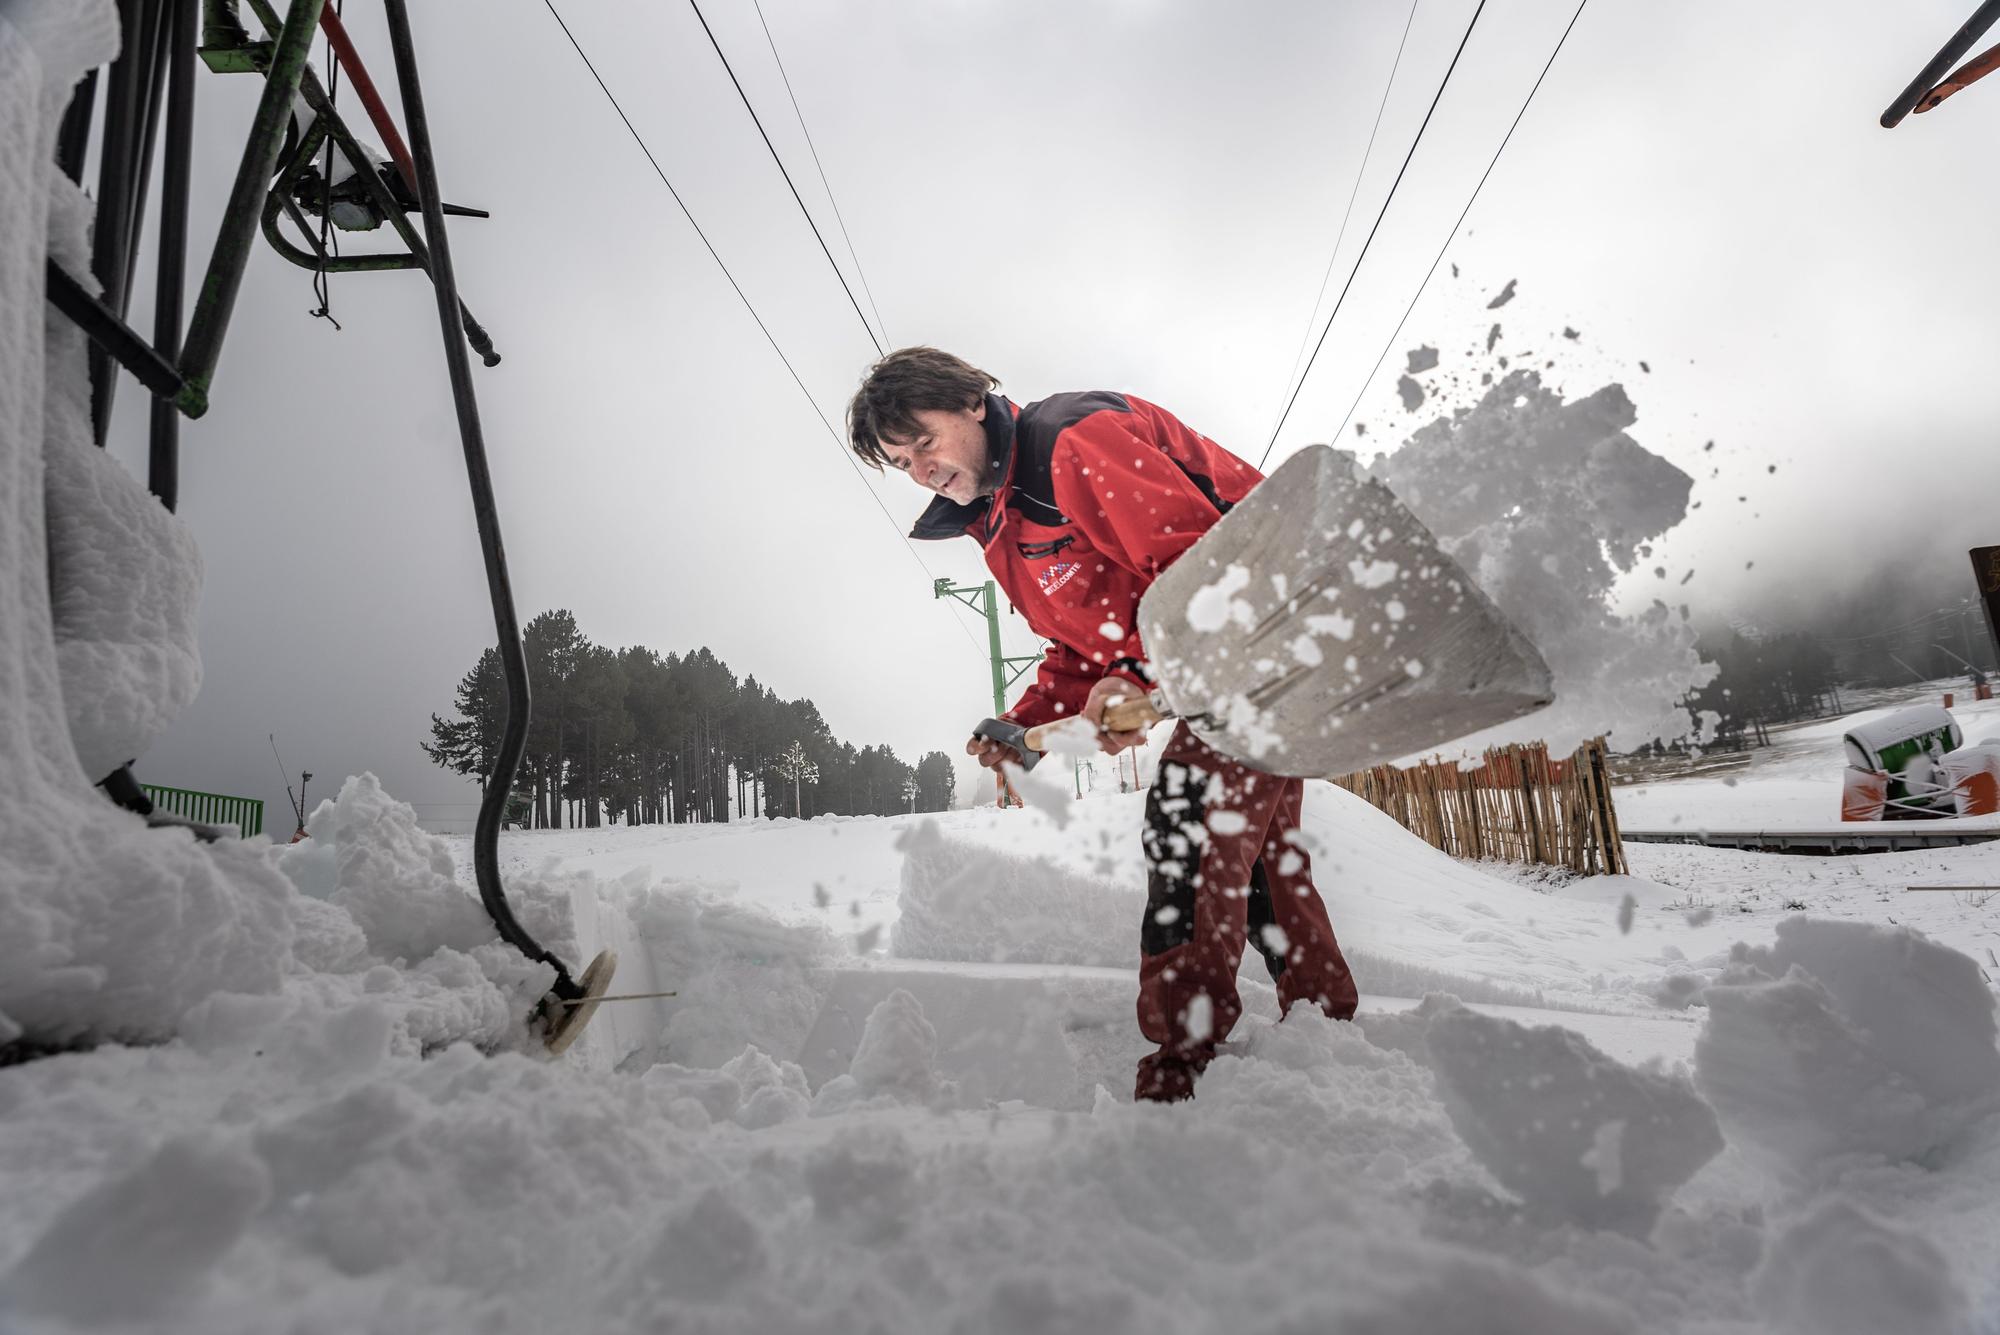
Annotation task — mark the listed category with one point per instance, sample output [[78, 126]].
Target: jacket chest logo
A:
[[1057, 575]]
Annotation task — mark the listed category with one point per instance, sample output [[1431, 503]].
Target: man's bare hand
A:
[[991, 753], [1107, 692]]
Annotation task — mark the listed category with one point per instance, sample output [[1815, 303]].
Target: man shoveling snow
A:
[[1080, 501]]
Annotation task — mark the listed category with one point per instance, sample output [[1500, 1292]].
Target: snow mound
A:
[[145, 1238], [1841, 1271], [752, 1090], [116, 930], [898, 1050], [1577, 1135], [1848, 1038], [368, 856]]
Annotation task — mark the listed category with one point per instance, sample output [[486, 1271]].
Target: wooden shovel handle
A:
[[1135, 711]]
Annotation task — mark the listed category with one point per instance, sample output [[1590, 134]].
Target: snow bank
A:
[[963, 900], [743, 978], [1846, 1039]]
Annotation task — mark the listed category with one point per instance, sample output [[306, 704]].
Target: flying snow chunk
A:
[[1422, 359], [1506, 295], [1199, 1022], [1412, 392], [1334, 624], [1039, 790], [1215, 605], [1371, 574]]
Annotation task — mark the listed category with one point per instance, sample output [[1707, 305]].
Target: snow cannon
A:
[[1895, 768], [1974, 775]]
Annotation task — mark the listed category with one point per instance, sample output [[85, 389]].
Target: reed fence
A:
[[1519, 805]]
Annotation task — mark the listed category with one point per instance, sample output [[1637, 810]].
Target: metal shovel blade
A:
[[1318, 629]]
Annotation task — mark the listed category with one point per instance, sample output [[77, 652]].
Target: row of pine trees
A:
[[636, 736]]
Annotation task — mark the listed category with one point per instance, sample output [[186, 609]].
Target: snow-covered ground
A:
[[1796, 779], [893, 1093]]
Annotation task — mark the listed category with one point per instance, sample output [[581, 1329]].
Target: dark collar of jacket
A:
[[946, 518]]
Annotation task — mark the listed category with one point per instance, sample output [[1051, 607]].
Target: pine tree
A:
[[471, 745]]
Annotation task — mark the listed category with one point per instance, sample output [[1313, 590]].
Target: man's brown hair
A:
[[901, 384]]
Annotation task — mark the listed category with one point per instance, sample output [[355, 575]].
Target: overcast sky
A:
[[1139, 195]]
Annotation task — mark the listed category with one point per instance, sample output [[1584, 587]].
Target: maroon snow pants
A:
[[1221, 869]]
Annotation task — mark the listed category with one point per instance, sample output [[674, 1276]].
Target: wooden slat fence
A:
[[1517, 806]]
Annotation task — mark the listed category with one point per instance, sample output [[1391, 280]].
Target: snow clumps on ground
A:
[[1849, 1039]]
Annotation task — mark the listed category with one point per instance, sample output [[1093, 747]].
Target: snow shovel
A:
[[1318, 629]]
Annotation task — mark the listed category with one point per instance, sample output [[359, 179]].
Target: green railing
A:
[[245, 813]]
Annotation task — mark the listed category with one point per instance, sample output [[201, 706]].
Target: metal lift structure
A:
[[285, 174]]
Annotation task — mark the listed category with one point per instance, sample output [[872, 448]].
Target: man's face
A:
[[948, 453]]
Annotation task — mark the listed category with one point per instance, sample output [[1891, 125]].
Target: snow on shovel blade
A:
[[1318, 629]]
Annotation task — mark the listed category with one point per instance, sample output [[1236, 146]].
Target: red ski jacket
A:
[[1098, 494]]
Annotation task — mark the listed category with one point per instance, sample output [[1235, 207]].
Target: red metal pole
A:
[[364, 88]]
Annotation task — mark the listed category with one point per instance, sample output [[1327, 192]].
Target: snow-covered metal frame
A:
[[159, 38]]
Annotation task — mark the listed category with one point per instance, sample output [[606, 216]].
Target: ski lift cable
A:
[[1414, 297], [742, 296], [880, 323], [1389, 199], [758, 121], [1367, 155]]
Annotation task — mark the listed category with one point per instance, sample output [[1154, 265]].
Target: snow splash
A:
[[1546, 502]]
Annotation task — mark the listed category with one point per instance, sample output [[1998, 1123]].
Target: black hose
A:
[[513, 659]]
